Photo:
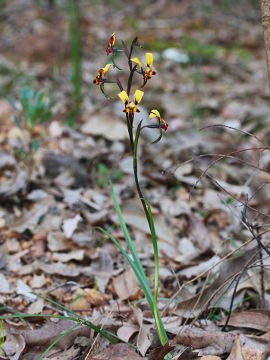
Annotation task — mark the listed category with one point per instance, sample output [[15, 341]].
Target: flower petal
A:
[[123, 96], [112, 40], [138, 96], [137, 61], [149, 59], [164, 125], [154, 113], [106, 68]]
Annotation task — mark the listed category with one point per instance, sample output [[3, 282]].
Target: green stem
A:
[[147, 209], [135, 170]]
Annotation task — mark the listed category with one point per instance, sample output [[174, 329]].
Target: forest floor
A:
[[207, 181]]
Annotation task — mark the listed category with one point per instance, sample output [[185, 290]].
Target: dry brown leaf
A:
[[68, 354], [57, 241], [254, 347], [94, 297], [51, 330], [85, 298], [36, 307], [253, 319], [210, 357], [15, 180], [14, 344], [117, 352], [126, 331], [102, 268], [66, 257], [236, 353], [203, 266], [134, 216], [30, 219], [109, 126], [199, 233], [24, 290], [143, 340], [4, 285], [126, 285], [207, 342], [70, 225], [38, 281], [59, 269], [80, 303], [159, 352]]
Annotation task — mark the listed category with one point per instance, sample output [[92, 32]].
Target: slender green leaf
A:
[[57, 340], [140, 277], [126, 233], [161, 331]]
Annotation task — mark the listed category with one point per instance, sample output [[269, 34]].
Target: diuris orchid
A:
[[110, 47], [131, 107], [162, 123], [148, 72], [99, 79]]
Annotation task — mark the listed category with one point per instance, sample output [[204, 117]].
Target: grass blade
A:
[[161, 331], [57, 340], [126, 233], [140, 277], [105, 333]]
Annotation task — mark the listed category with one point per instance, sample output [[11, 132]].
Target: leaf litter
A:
[[48, 241]]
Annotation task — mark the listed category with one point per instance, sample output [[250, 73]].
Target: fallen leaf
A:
[[102, 268], [236, 353], [51, 330], [4, 285], [126, 331], [38, 281], [109, 126], [25, 291], [134, 216], [93, 297], [126, 285], [160, 352], [36, 307], [57, 241], [143, 340], [66, 257], [203, 266], [30, 219], [253, 319], [15, 180], [116, 352], [59, 269], [14, 344], [70, 225], [199, 233], [207, 342]]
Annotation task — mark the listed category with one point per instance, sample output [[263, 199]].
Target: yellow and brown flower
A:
[[110, 47], [131, 106], [162, 123], [101, 72], [148, 72]]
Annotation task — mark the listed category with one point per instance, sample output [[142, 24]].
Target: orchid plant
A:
[[131, 106]]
